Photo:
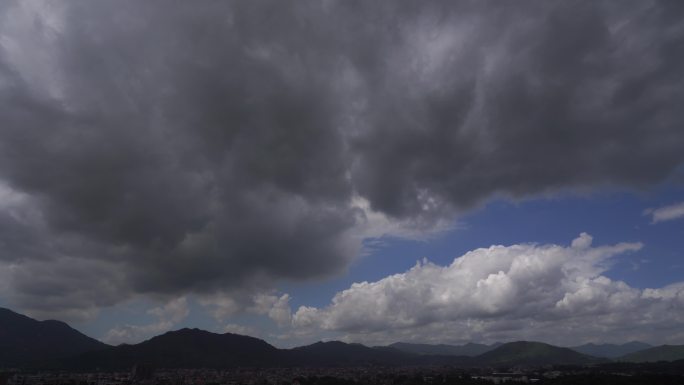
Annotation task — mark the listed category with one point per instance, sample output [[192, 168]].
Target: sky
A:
[[438, 171]]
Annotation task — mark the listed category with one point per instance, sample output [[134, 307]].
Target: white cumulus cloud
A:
[[549, 292], [223, 306]]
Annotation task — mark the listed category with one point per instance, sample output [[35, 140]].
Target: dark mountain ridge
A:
[[336, 353], [184, 348], [470, 349], [611, 350], [526, 353], [656, 354], [194, 348], [24, 340]]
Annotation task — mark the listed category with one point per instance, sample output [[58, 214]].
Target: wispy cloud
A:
[[666, 213], [169, 315]]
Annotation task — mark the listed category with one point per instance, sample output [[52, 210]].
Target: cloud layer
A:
[[502, 293], [666, 213], [165, 149], [168, 316]]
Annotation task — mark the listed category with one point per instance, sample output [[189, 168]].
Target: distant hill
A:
[[658, 353], [336, 353], [185, 348], [469, 349], [524, 353], [24, 340], [611, 350], [194, 348]]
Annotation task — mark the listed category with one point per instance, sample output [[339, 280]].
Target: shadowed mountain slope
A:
[[524, 353], [24, 340], [185, 348], [336, 353], [53, 344], [469, 349], [658, 353], [611, 350]]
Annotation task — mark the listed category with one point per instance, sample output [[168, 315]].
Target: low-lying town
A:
[[147, 375]]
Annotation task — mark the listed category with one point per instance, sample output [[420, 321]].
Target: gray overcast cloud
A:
[[173, 147]]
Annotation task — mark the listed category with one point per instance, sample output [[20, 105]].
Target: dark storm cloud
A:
[[546, 97], [209, 146]]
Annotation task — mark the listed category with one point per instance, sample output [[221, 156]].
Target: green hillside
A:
[[525, 353]]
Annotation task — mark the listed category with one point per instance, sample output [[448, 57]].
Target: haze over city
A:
[[438, 172]]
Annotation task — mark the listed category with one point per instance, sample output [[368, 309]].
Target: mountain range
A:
[[611, 350], [25, 342], [181, 348], [655, 354], [470, 349], [526, 353], [191, 348]]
